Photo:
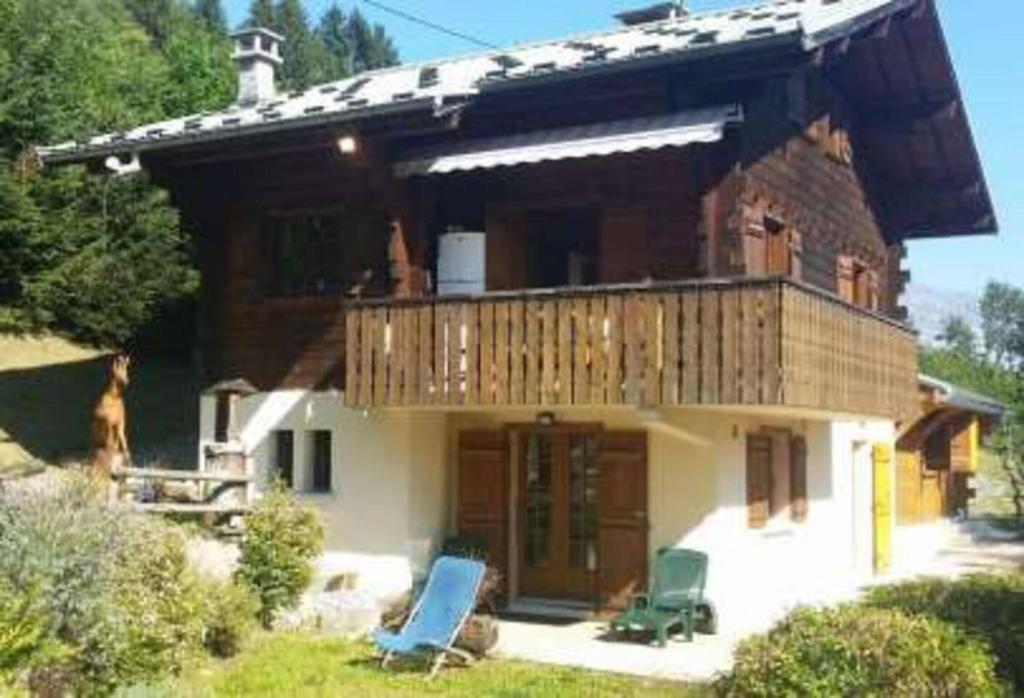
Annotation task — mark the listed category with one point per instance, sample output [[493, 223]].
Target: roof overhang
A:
[[946, 394], [675, 130]]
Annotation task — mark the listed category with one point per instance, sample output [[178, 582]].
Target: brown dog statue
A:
[[109, 423]]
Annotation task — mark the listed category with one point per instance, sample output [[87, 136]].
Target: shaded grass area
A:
[[48, 388], [294, 664]]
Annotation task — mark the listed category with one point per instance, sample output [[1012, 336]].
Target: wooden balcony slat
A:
[[598, 315], [501, 354], [486, 353], [766, 342], [534, 342], [632, 322], [474, 377], [653, 342], [691, 348], [613, 366], [424, 356], [670, 359], [730, 318], [710, 346], [582, 351], [548, 369], [750, 344]]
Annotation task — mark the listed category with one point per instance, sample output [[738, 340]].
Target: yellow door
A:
[[882, 457]]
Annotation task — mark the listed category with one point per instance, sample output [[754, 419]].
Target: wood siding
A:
[[764, 342]]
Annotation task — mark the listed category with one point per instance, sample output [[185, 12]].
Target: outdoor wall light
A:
[[347, 145], [546, 419]]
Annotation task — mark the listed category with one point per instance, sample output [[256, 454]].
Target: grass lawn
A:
[[293, 664]]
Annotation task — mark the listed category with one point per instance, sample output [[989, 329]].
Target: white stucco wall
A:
[[394, 494], [388, 505]]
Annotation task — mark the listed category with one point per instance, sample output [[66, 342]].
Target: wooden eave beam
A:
[[903, 116]]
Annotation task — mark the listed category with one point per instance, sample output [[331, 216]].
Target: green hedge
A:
[[857, 651], [989, 606]]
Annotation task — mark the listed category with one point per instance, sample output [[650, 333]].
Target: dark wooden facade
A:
[[832, 168]]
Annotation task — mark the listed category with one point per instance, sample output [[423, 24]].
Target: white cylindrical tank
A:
[[461, 264]]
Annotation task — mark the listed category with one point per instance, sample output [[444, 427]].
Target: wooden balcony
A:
[[744, 342]]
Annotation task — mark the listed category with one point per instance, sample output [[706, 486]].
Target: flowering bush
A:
[[105, 594]]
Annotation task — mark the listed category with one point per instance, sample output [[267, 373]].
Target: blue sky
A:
[[984, 36]]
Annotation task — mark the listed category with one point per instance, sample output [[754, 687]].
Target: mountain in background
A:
[[930, 308]]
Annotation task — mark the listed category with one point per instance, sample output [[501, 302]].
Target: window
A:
[[284, 456], [319, 455], [310, 254], [771, 248], [857, 282], [776, 476]]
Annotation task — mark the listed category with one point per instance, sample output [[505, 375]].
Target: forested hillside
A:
[[103, 259]]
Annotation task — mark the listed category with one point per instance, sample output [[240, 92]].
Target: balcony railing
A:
[[743, 342]]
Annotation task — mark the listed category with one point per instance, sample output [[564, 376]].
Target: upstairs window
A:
[[771, 248], [857, 283], [320, 254]]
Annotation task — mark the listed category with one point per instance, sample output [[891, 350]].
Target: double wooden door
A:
[[562, 510], [559, 478]]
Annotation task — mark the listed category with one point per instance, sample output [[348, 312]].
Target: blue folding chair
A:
[[437, 618]]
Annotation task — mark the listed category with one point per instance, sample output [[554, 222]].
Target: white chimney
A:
[[257, 55]]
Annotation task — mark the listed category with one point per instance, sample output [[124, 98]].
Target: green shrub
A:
[[987, 605], [111, 588], [24, 633], [282, 537], [857, 651], [229, 616]]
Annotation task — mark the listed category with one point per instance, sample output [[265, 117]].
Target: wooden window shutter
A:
[[846, 278], [755, 241], [759, 469], [798, 478], [873, 290], [796, 254]]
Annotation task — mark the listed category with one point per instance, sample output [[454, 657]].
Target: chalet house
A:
[[587, 298]]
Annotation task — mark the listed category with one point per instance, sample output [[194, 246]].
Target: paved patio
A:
[[584, 644], [945, 550]]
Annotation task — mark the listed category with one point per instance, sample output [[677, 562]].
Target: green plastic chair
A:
[[673, 598]]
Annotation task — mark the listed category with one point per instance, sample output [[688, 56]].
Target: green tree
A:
[[211, 13], [370, 45], [81, 253], [1002, 321], [333, 33], [261, 14], [303, 54], [958, 335]]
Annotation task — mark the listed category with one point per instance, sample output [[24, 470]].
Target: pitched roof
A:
[[807, 24]]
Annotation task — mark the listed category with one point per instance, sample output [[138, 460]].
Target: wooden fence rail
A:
[[763, 342]]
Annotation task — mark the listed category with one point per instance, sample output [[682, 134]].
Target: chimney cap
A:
[[256, 31], [652, 13], [257, 42]]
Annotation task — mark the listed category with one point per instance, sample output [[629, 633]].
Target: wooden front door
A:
[[623, 522], [483, 492], [559, 493]]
